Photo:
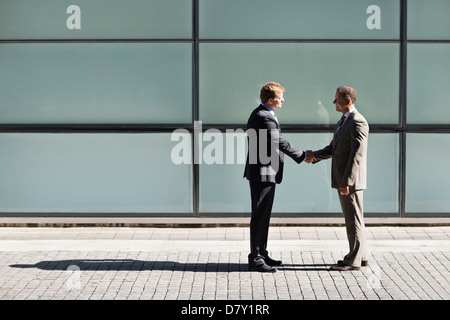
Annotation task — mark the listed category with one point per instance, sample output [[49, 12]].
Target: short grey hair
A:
[[347, 92]]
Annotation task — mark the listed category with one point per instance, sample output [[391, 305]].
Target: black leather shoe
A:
[[259, 265], [263, 267], [273, 263]]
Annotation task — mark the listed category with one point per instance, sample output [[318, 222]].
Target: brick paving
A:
[[101, 263]]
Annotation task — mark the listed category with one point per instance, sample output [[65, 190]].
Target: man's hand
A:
[[310, 156], [344, 190]]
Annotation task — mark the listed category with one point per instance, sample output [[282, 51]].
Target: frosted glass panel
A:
[[383, 163], [428, 20], [231, 76], [92, 173], [95, 19], [222, 186], [428, 83], [305, 188], [306, 19], [427, 182], [95, 83]]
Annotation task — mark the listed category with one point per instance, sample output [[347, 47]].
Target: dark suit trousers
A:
[[352, 207], [262, 194]]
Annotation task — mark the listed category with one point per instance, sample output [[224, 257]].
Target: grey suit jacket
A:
[[348, 151], [266, 148]]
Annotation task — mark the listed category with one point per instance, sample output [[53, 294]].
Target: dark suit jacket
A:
[[348, 150], [266, 148]]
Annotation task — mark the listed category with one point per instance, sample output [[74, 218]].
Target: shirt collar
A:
[[352, 109], [266, 107], [271, 111]]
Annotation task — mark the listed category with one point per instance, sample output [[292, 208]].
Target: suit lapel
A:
[[347, 122], [338, 133], [270, 115]]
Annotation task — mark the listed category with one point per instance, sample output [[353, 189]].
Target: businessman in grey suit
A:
[[264, 169], [348, 151]]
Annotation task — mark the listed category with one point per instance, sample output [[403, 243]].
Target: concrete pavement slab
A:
[[98, 263]]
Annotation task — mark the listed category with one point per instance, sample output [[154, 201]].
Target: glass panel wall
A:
[[306, 19], [231, 76], [95, 83], [99, 19], [428, 20], [306, 188], [428, 83], [427, 182], [92, 173], [92, 93]]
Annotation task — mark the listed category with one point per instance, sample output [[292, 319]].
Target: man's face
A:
[[341, 103], [276, 102]]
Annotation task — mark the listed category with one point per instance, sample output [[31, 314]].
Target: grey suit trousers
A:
[[352, 207]]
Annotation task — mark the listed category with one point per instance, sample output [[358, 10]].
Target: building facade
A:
[[137, 108]]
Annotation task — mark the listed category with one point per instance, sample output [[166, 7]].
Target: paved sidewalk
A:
[[97, 263]]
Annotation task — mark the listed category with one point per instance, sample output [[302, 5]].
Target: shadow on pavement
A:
[[141, 265]]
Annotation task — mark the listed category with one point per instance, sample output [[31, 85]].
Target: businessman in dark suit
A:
[[348, 151], [264, 169]]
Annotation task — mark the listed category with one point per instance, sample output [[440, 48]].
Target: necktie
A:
[[341, 122]]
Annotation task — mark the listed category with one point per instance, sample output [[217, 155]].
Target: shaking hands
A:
[[310, 156]]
